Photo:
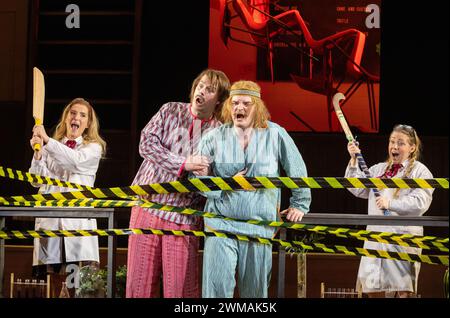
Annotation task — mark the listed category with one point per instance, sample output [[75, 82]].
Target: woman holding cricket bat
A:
[[382, 277], [73, 154]]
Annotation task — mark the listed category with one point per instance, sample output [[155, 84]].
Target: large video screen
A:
[[302, 69]]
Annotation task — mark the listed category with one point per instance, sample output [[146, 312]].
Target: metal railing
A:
[[66, 212], [310, 218], [353, 219]]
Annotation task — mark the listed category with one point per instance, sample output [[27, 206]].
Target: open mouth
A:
[[74, 126], [199, 100], [240, 116], [395, 155]]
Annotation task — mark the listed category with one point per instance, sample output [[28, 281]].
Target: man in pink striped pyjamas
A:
[[168, 146]]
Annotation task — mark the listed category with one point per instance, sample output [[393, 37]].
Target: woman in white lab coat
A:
[[378, 276], [73, 154]]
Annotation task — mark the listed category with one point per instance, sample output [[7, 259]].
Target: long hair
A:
[[262, 115], [90, 134], [413, 139], [220, 82]]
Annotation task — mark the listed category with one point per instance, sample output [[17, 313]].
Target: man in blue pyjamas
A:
[[248, 144]]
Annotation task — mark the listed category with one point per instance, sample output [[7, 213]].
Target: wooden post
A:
[[301, 275], [11, 286], [48, 285]]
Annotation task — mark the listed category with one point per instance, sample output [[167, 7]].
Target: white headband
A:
[[245, 92]]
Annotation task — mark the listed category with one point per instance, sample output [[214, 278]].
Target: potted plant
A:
[[92, 284], [307, 238], [121, 280]]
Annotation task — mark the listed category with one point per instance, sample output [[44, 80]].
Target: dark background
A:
[[414, 66], [414, 60]]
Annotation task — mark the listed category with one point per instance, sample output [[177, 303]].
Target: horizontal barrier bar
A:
[[310, 218]]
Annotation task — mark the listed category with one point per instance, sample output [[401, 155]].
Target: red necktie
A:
[[393, 171], [71, 143]]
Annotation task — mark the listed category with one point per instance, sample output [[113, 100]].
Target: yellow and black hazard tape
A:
[[85, 198], [295, 245], [406, 240], [425, 242], [35, 178], [216, 183], [409, 240], [95, 203], [232, 184]]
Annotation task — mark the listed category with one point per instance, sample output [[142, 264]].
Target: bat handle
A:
[[37, 147], [365, 169]]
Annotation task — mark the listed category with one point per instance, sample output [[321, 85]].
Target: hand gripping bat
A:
[[361, 162]]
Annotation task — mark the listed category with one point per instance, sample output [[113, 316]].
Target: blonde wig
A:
[[90, 134]]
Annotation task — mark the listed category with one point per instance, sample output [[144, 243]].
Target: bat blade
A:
[[38, 99], [337, 109]]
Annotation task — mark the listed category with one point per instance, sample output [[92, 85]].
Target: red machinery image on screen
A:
[[301, 52]]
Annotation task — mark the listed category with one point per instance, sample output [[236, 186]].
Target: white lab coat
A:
[[78, 165], [376, 274]]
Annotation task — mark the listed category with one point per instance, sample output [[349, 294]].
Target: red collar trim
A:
[[195, 116]]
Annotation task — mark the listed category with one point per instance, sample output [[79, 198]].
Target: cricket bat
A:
[[38, 100]]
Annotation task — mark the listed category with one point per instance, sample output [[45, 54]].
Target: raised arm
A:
[[353, 171]]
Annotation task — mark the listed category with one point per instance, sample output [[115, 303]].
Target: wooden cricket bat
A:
[[38, 100]]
